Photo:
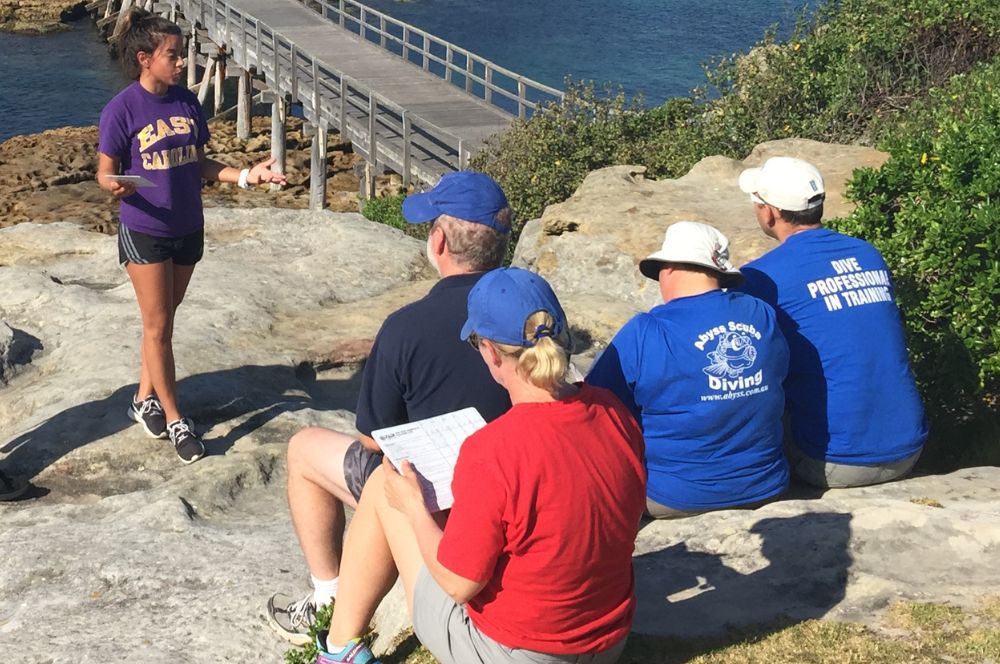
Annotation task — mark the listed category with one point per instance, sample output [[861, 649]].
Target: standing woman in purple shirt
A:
[[156, 129]]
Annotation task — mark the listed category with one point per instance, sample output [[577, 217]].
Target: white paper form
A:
[[432, 446]]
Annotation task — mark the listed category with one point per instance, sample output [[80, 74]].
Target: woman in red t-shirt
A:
[[534, 563]]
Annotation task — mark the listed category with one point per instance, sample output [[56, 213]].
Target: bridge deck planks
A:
[[426, 95]]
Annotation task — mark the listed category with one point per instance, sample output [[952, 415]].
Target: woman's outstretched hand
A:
[[402, 489], [261, 173]]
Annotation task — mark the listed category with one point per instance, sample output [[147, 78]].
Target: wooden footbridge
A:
[[408, 101]]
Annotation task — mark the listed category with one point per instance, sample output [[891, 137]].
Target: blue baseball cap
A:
[[466, 195], [502, 301]]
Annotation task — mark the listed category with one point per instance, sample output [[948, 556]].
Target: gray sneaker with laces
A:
[[292, 618], [149, 413], [188, 446]]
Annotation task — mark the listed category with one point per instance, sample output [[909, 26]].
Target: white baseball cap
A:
[[786, 183], [692, 243]]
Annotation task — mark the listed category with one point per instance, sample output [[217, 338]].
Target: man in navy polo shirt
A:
[[702, 373], [418, 368], [854, 413]]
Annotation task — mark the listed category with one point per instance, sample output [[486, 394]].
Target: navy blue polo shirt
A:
[[419, 367]]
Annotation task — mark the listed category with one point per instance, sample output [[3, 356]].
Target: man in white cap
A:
[[854, 414], [418, 368], [703, 375]]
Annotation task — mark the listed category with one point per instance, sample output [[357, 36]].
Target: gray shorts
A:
[[359, 464], [445, 629], [830, 475]]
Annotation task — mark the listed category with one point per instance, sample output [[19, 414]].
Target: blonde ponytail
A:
[[545, 362]]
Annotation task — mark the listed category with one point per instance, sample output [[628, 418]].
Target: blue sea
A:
[[653, 47]]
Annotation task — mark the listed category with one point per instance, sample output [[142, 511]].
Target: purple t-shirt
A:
[[158, 138]]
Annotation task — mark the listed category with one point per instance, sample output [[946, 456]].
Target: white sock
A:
[[324, 591]]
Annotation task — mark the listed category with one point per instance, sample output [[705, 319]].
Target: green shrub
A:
[[388, 210], [844, 75], [542, 160], [933, 210], [307, 654]]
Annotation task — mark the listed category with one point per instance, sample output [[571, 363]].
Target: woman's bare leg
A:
[[155, 285], [379, 542]]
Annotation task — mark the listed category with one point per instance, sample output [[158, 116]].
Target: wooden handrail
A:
[[524, 85], [255, 38]]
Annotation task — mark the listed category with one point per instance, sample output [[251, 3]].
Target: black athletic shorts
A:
[[143, 249], [359, 463]]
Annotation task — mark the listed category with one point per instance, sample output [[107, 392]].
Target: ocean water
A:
[[56, 80], [653, 47]]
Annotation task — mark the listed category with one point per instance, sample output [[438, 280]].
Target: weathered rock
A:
[[16, 350], [51, 176], [123, 552], [843, 555], [589, 246], [38, 16]]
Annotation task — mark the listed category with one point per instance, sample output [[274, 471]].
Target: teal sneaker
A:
[[355, 652]]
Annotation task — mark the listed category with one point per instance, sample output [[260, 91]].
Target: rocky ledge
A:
[[121, 553], [39, 16], [50, 176]]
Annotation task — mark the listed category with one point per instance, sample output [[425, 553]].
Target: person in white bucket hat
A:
[[703, 375], [854, 414]]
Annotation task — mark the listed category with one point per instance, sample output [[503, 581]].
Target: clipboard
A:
[[432, 446]]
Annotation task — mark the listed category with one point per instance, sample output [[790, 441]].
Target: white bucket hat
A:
[[692, 243], [786, 183]]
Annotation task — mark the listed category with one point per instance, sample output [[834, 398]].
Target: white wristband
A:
[[242, 182]]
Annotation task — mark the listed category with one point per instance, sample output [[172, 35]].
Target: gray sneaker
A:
[[292, 618], [149, 413], [188, 446]]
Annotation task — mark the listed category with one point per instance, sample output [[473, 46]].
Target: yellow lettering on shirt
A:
[[181, 124], [146, 136], [149, 136], [164, 159]]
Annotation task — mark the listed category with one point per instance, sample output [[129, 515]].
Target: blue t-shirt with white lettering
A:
[[850, 393], [703, 376]]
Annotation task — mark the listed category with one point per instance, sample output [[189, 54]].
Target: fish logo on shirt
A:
[[733, 355]]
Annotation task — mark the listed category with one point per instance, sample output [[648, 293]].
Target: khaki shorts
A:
[[445, 629]]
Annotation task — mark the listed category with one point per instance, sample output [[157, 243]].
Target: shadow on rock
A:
[[695, 596], [212, 399]]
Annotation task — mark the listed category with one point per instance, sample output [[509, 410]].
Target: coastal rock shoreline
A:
[[39, 16], [50, 176]]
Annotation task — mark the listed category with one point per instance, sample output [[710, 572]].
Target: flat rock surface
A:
[[845, 554], [122, 552], [590, 245]]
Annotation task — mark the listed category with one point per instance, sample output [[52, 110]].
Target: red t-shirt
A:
[[547, 505]]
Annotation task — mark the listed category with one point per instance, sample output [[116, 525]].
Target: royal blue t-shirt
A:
[[419, 366], [703, 376], [850, 393]]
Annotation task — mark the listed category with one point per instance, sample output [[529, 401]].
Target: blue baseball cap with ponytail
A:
[[502, 301]]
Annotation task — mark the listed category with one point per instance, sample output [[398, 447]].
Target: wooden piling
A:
[[279, 113], [205, 79], [317, 169], [244, 101], [220, 77], [192, 59]]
